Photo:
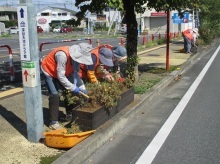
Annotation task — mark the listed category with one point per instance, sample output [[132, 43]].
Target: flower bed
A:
[[89, 120]]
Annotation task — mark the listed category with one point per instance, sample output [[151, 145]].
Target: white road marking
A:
[[151, 151]]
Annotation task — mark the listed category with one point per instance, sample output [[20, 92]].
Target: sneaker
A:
[[55, 126]]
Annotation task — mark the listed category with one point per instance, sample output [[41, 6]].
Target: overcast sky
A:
[[70, 4]]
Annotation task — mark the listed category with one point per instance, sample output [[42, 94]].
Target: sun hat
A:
[[106, 55], [81, 53], [120, 52], [195, 30]]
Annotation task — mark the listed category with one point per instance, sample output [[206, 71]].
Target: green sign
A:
[[27, 65]]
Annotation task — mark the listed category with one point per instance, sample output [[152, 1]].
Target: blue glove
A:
[[83, 90], [76, 90]]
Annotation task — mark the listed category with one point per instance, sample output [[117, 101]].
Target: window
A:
[[45, 14], [64, 14]]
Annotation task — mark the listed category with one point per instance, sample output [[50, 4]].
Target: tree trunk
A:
[[132, 34]]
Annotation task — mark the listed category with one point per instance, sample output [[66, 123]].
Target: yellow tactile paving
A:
[[10, 92]]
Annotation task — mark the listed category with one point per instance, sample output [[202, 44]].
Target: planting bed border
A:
[[92, 120]]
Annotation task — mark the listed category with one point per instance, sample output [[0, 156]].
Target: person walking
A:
[[60, 68]]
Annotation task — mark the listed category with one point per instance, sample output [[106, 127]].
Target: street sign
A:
[[23, 33], [177, 19], [29, 74]]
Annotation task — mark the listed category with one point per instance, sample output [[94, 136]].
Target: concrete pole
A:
[[30, 69]]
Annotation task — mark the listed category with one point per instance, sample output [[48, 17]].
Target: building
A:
[[156, 22], [53, 15], [8, 13]]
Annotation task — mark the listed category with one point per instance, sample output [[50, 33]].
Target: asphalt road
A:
[[189, 135]]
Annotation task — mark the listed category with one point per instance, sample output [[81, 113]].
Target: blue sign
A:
[[177, 19]]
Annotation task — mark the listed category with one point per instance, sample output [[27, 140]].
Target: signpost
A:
[[30, 69], [177, 19]]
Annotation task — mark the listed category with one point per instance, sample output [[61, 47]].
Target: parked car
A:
[[39, 29], [66, 29], [56, 29], [13, 30], [123, 29]]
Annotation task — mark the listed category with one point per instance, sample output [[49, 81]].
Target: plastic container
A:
[[60, 138]]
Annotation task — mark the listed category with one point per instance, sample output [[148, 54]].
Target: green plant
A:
[[50, 159], [146, 85], [106, 93]]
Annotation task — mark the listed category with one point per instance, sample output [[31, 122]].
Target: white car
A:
[[13, 30], [56, 29]]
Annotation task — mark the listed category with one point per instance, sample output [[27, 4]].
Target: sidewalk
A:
[[15, 148]]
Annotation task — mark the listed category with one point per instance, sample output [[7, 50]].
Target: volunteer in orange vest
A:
[[105, 58], [60, 68], [102, 62], [188, 38]]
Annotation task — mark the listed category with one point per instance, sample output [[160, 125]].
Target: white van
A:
[[13, 30]]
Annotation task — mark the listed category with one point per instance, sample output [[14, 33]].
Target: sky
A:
[[70, 4]]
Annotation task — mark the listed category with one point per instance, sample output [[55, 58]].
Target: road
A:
[[13, 43], [180, 126]]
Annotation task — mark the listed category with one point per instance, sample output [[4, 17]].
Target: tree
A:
[[209, 20], [131, 7]]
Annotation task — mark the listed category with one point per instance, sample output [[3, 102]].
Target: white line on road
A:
[[151, 151]]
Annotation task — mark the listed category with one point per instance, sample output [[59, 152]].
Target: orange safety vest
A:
[[187, 33], [98, 73], [49, 63]]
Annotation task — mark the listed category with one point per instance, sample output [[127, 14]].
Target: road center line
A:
[[151, 151]]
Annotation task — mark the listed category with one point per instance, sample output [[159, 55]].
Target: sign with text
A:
[[159, 14], [29, 74], [177, 19], [23, 33]]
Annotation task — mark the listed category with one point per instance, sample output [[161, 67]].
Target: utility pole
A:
[[29, 53]]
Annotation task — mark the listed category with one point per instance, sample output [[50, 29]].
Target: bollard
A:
[[122, 41], [144, 40], [152, 37], [11, 67], [98, 42]]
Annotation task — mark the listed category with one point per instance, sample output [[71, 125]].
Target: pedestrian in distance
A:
[[190, 36], [60, 68]]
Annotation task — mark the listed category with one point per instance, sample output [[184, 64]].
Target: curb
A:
[[81, 152]]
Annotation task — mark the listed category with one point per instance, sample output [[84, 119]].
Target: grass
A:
[[50, 159]]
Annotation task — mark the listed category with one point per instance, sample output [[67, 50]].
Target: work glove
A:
[[76, 90], [92, 77], [82, 88], [109, 77]]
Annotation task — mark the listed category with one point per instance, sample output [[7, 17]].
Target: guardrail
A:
[[11, 66]]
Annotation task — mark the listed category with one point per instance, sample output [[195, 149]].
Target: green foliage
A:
[[146, 85], [50, 159], [10, 23], [209, 20]]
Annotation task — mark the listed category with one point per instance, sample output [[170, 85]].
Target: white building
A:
[[156, 22], [53, 15]]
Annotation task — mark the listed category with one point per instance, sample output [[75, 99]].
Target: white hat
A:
[[195, 30], [81, 53]]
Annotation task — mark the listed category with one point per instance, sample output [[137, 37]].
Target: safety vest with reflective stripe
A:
[[49, 63]]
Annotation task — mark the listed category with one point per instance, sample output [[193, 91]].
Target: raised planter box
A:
[[92, 120]]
